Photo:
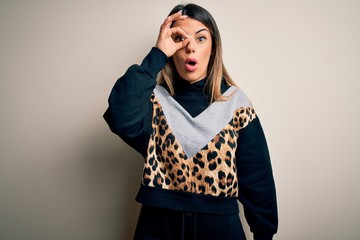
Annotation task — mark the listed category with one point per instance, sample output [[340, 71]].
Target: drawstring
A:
[[194, 226], [183, 226], [193, 220]]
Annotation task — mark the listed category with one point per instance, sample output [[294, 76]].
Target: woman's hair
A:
[[216, 70]]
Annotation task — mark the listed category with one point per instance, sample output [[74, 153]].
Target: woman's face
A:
[[191, 62]]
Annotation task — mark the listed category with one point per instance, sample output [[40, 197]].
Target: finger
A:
[[183, 44], [179, 31], [176, 16]]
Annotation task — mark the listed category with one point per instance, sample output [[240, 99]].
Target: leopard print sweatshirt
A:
[[199, 157]]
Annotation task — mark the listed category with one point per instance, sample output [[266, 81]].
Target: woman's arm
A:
[[256, 183], [129, 112]]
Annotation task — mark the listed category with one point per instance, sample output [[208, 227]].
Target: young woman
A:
[[202, 141]]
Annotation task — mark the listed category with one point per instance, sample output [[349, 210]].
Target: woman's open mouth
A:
[[191, 64]]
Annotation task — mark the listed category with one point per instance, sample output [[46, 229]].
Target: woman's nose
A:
[[190, 47]]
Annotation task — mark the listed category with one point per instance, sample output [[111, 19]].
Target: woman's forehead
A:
[[191, 26]]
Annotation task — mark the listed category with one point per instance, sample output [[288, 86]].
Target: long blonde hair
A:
[[216, 69]]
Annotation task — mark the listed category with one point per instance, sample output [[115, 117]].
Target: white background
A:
[[64, 175]]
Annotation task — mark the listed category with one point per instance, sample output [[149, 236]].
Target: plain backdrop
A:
[[64, 175]]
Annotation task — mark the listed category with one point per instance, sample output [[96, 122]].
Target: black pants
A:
[[164, 224]]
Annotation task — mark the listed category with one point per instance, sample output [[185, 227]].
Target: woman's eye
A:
[[202, 39], [179, 39]]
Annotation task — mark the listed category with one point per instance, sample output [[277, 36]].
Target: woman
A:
[[203, 144]]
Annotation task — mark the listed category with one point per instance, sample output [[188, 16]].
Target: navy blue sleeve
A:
[[129, 112], [256, 183]]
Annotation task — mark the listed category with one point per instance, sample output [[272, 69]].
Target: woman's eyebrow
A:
[[203, 29]]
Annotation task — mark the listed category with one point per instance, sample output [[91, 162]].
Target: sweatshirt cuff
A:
[[263, 236], [154, 62]]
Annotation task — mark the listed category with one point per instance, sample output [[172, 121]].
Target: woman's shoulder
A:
[[237, 97]]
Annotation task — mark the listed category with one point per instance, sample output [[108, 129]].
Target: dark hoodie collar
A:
[[183, 85]]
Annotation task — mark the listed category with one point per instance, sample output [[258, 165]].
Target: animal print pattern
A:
[[211, 171]]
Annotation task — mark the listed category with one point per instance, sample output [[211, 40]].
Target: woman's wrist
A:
[[154, 61]]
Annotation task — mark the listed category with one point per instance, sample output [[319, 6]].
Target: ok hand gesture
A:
[[165, 41]]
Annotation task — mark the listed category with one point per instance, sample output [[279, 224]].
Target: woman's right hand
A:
[[165, 41]]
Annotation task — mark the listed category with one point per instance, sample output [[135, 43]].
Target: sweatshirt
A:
[[199, 156]]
